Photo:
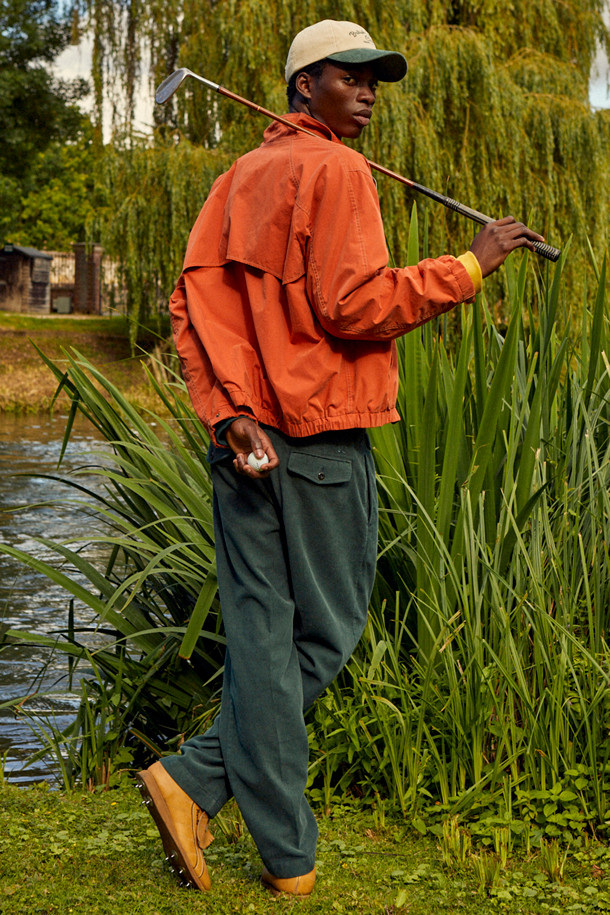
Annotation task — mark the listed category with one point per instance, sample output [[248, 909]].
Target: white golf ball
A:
[[254, 462]]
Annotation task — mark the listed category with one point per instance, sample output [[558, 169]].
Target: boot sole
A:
[[160, 813]]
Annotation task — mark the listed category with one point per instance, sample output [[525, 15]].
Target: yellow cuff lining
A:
[[469, 261]]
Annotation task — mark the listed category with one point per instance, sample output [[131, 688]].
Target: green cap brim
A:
[[389, 66]]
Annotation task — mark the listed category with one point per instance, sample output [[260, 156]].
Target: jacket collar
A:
[[277, 131]]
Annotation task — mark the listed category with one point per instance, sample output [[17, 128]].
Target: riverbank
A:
[[27, 385], [100, 853]]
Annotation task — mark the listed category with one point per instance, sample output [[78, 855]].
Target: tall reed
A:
[[156, 598], [485, 661]]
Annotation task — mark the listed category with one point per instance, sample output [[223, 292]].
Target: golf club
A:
[[175, 80]]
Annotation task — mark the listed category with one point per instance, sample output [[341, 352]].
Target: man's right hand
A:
[[245, 436], [492, 245]]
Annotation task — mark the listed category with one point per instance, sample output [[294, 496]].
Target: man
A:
[[285, 318]]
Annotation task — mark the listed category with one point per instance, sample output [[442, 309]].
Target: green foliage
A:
[[39, 115], [31, 31], [494, 112], [150, 679], [154, 197], [483, 672], [61, 201]]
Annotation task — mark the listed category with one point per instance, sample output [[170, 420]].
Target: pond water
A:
[[29, 600]]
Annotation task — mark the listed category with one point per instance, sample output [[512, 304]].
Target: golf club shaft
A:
[[173, 81]]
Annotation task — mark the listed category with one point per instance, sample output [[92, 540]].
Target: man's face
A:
[[342, 98]]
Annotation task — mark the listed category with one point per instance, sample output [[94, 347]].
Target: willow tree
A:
[[494, 112]]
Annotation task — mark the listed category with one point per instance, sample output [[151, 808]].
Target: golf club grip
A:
[[551, 254]]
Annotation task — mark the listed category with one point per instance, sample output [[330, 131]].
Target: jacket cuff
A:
[[220, 431], [470, 262]]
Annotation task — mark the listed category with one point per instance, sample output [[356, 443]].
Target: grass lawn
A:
[[26, 384], [100, 853]]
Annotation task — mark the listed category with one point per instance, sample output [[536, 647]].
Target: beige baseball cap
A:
[[345, 43]]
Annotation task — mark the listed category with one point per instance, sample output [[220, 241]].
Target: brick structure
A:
[[87, 278]]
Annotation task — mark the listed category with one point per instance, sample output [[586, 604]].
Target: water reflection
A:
[[29, 600]]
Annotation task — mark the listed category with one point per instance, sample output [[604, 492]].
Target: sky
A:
[[599, 93], [76, 61]]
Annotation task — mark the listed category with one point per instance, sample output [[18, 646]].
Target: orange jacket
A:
[[286, 309]]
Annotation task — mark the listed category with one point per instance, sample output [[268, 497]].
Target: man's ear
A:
[[303, 84]]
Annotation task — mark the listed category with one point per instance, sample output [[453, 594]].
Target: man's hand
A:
[[244, 436], [496, 240]]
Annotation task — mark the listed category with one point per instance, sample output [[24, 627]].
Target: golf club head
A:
[[175, 80], [169, 85]]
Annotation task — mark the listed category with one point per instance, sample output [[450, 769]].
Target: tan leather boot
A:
[[182, 824], [300, 887]]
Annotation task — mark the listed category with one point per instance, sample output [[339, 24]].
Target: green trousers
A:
[[296, 557]]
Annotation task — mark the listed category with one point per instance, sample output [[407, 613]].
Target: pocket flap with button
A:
[[319, 469]]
